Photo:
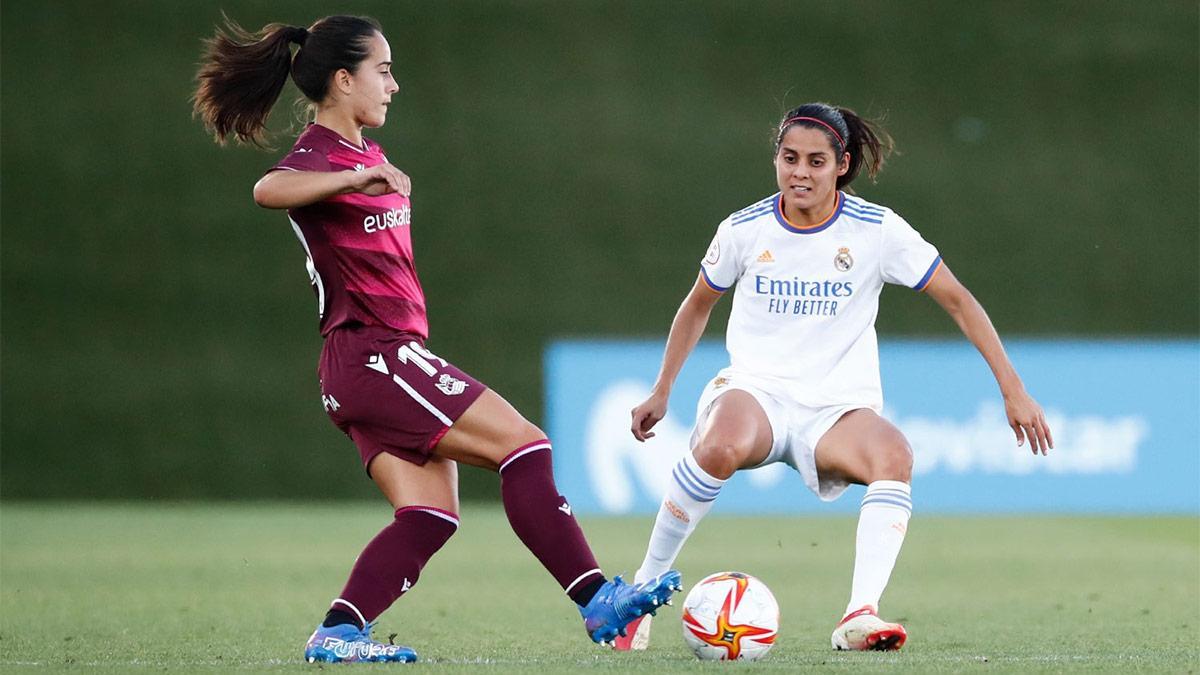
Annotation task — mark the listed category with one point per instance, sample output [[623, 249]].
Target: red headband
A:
[[814, 119]]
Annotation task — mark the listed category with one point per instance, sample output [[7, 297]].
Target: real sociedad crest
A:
[[842, 261]]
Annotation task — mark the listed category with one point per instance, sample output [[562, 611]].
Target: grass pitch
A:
[[200, 588]]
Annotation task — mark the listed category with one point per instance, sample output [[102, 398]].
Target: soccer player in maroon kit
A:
[[412, 415]]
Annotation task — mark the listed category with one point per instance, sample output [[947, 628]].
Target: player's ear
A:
[[343, 81], [844, 165]]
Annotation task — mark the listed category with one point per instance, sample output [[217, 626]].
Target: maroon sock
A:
[[392, 562], [543, 521]]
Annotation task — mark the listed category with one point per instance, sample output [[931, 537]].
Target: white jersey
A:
[[806, 299]]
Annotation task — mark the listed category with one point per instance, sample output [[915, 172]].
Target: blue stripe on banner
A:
[[696, 485], [693, 495], [698, 479], [864, 208], [928, 274], [907, 506]]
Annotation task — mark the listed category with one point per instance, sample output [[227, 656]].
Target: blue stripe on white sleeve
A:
[[750, 215], [714, 286], [755, 205], [865, 219], [864, 207], [928, 274]]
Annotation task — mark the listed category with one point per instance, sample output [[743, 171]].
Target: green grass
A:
[[216, 587]]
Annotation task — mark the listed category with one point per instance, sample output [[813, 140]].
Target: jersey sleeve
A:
[[722, 266], [303, 159], [906, 258]]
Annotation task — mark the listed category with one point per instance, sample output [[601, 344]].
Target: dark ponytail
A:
[[847, 133], [242, 73]]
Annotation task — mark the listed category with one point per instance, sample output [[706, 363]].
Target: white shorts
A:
[[796, 428]]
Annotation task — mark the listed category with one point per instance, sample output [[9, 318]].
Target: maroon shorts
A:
[[389, 394]]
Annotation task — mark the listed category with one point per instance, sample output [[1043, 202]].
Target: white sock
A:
[[689, 497], [882, 523]]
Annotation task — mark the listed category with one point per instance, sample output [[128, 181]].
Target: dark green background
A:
[[570, 162]]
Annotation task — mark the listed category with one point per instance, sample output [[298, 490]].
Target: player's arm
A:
[[686, 330], [290, 189], [1025, 416]]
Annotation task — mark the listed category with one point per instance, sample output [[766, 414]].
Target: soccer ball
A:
[[729, 616]]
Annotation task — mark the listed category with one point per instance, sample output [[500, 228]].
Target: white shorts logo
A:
[[450, 386]]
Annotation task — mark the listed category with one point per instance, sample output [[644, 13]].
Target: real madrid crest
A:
[[842, 261]]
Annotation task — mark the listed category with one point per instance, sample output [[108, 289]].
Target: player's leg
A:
[[735, 434], [425, 499], [864, 448], [492, 434]]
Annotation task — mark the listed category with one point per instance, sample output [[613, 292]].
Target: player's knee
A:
[[524, 433], [893, 461], [719, 458]]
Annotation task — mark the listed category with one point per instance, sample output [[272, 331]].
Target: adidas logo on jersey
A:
[[766, 256]]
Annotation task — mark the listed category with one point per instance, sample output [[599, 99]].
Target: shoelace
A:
[[623, 601]]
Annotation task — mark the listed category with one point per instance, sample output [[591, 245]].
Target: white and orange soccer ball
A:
[[729, 616]]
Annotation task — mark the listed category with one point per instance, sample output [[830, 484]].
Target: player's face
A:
[[374, 84], [807, 170]]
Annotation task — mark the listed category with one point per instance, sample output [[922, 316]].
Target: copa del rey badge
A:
[[842, 261]]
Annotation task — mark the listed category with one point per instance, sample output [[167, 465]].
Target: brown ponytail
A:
[[866, 137], [241, 73], [240, 78]]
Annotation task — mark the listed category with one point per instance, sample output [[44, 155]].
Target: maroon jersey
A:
[[359, 248]]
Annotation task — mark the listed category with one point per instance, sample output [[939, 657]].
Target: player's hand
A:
[[647, 414], [1028, 421], [381, 179]]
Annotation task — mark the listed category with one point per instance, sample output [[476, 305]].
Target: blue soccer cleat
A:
[[617, 603], [345, 643]]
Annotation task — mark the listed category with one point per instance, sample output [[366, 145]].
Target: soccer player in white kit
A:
[[807, 265]]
